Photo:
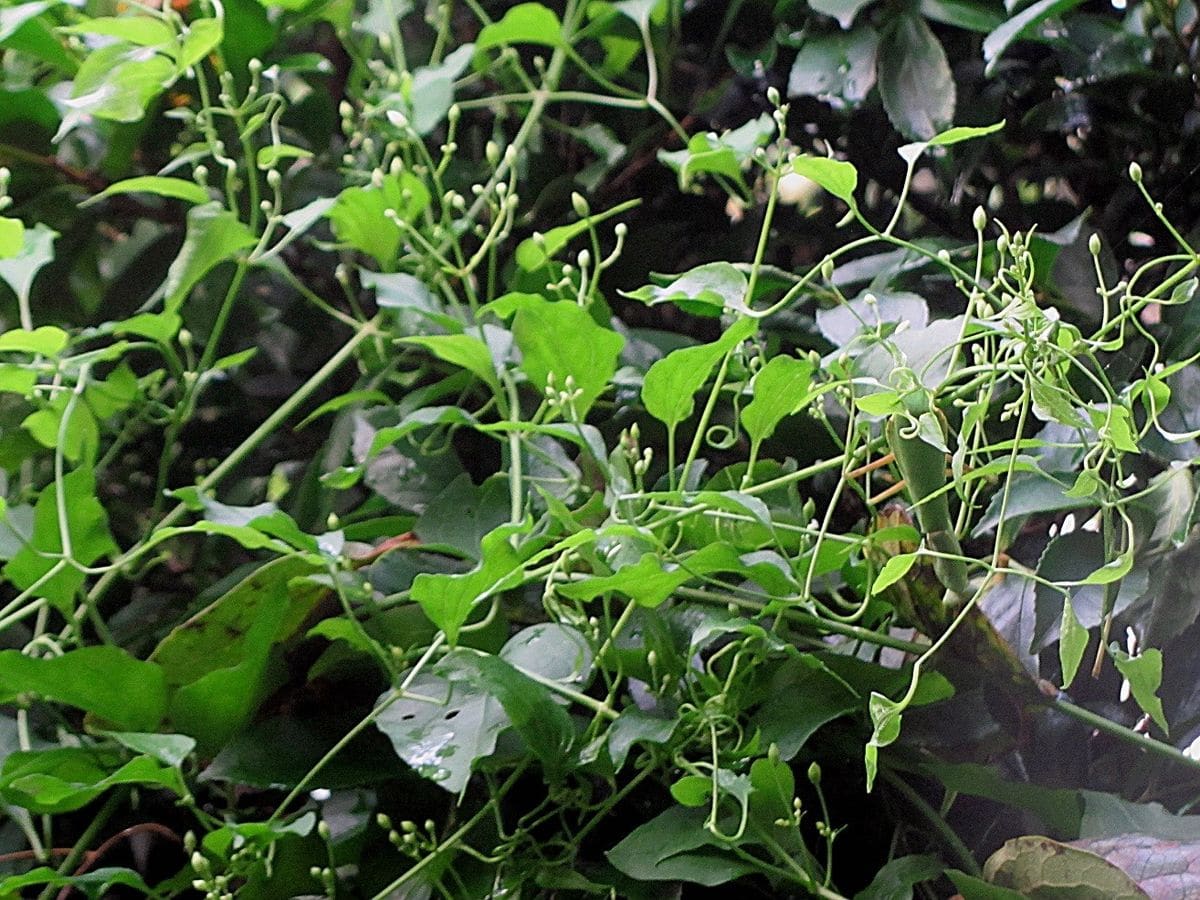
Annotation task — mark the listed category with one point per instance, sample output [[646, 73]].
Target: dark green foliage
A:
[[443, 448]]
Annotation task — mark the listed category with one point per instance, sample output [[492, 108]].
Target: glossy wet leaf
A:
[[845, 11], [553, 650], [915, 81], [447, 724], [1021, 25], [837, 68], [168, 749], [541, 722]]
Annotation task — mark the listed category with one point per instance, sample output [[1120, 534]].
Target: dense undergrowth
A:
[[597, 449]]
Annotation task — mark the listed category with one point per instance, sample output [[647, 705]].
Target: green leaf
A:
[[842, 10], [532, 254], [46, 340], [217, 662], [972, 888], [706, 290], [915, 82], [270, 156], [432, 90], [12, 236], [444, 725], [449, 599], [1042, 868], [53, 783], [174, 187], [893, 570], [650, 581], [804, 694], [552, 650], [562, 339], [525, 23], [964, 133], [200, 38], [692, 790], [169, 749], [1113, 570], [81, 435], [885, 719], [20, 270], [881, 403], [676, 846], [895, 881], [87, 526], [464, 350], [780, 390], [544, 725], [359, 217], [774, 788], [973, 16], [145, 31], [1019, 26], [94, 883], [117, 83], [671, 383], [214, 235], [634, 726], [837, 68], [105, 681], [838, 177], [1144, 674], [1073, 641]]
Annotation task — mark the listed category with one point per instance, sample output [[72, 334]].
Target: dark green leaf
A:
[[1021, 25], [675, 846], [87, 527], [895, 880], [914, 78]]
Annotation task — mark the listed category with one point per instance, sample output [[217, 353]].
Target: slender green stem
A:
[[966, 859]]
